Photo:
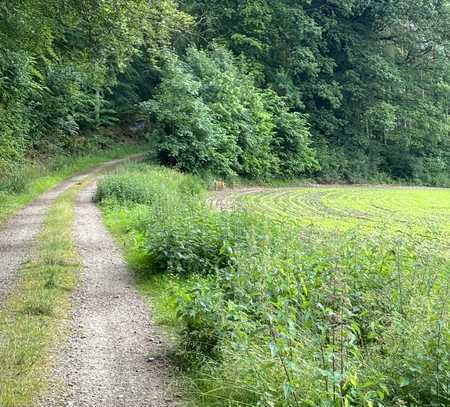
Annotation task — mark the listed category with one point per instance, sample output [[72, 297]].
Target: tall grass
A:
[[275, 315]]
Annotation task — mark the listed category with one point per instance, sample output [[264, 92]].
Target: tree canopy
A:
[[351, 90]]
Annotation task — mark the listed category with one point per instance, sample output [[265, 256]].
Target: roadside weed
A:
[[299, 298]]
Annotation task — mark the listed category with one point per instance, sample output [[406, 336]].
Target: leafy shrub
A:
[[185, 236], [15, 85], [434, 171], [210, 116], [200, 307]]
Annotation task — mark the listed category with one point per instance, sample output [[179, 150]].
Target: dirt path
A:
[[115, 356], [18, 234]]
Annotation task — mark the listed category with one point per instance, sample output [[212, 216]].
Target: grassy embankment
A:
[[20, 188], [305, 297]]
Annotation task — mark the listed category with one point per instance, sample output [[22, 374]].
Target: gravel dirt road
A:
[[18, 234], [115, 356]]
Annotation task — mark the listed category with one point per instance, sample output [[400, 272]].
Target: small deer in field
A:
[[219, 185]]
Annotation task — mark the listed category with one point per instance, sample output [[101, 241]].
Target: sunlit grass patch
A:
[[413, 212]]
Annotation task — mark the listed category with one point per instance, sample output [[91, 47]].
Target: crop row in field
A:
[[415, 213]]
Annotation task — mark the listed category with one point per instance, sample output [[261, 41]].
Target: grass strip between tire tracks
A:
[[30, 318]]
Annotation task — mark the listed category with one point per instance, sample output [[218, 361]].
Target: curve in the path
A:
[[115, 356], [17, 235]]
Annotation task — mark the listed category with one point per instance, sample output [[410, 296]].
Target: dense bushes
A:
[[257, 89], [323, 323], [15, 81], [210, 116], [270, 315], [186, 237]]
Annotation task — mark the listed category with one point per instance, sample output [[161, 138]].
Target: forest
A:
[[349, 90]]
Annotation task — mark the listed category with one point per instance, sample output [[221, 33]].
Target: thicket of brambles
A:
[[270, 314], [349, 90]]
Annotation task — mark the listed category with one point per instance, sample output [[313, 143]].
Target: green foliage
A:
[[142, 184], [58, 63], [372, 76], [325, 322], [15, 83], [210, 116], [186, 237], [26, 181], [270, 314], [351, 90]]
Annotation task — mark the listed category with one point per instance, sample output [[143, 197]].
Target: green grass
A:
[[412, 212], [38, 178], [29, 320], [344, 205], [331, 296]]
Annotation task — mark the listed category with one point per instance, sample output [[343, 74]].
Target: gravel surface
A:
[[115, 356], [18, 234]]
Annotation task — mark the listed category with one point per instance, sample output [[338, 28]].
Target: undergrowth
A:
[[272, 314]]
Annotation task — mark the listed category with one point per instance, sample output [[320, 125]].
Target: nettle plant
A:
[[273, 314], [325, 323]]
